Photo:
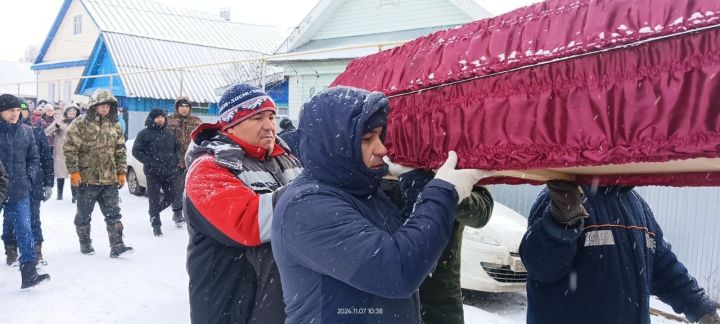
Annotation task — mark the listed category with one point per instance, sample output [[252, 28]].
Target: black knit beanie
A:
[[8, 101]]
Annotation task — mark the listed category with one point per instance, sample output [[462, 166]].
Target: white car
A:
[[490, 260], [136, 181]]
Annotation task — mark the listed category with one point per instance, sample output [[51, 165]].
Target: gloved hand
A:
[[566, 202], [396, 169], [47, 193], [121, 180], [463, 179], [710, 318], [75, 179]]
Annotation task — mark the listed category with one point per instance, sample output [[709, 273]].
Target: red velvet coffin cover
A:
[[558, 84]]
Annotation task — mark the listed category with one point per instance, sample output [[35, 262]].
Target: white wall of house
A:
[[51, 89], [306, 79], [360, 17], [67, 44], [74, 40], [363, 17]]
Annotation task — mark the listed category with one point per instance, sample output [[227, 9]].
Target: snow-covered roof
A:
[[131, 54], [163, 22], [12, 73], [305, 32], [160, 21], [392, 39]]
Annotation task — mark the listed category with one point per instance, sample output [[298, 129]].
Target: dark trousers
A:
[[159, 201], [269, 304], [105, 195], [440, 294], [35, 224], [179, 189]]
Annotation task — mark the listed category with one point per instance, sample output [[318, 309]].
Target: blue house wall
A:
[[100, 63]]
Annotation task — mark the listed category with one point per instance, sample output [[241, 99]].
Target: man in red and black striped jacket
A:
[[235, 167]]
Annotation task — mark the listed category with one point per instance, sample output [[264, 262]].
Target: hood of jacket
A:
[[330, 135], [102, 96], [182, 100], [91, 114], [67, 110], [150, 120]]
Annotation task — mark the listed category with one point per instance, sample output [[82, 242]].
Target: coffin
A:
[[603, 92]]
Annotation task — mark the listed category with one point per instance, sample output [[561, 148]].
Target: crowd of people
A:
[[316, 224]]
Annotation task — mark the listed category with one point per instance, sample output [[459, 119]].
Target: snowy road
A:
[[149, 286]]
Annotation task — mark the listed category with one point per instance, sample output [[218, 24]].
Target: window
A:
[[77, 25], [66, 91], [200, 108], [51, 91]]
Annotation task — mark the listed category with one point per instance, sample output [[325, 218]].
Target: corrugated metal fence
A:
[[689, 217]]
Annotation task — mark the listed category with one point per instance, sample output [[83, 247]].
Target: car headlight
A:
[[481, 237]]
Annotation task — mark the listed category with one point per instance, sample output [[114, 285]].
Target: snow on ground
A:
[[149, 286]]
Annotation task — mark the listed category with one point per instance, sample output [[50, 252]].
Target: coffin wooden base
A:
[[676, 166]]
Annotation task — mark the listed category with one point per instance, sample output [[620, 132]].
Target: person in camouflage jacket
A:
[[95, 155], [441, 298], [181, 124]]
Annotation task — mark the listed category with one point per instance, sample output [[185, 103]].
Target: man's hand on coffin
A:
[[462, 179], [566, 202], [396, 169]]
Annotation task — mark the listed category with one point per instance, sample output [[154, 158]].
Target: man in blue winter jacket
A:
[[20, 158], [40, 192], [599, 260], [343, 251]]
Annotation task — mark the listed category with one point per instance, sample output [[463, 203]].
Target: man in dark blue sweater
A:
[[599, 260]]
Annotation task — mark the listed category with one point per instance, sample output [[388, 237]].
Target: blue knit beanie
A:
[[242, 101]]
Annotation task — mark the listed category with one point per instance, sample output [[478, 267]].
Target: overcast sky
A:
[[27, 22]]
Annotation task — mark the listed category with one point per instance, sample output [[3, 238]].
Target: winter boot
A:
[[11, 253], [156, 224], [38, 253], [117, 247], [30, 277], [178, 218], [83, 233], [73, 191], [157, 231], [60, 185]]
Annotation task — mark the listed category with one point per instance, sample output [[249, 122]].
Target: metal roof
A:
[[354, 41], [159, 21], [306, 30], [134, 53]]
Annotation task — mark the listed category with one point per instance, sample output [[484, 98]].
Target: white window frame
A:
[[66, 90], [77, 25], [52, 87]]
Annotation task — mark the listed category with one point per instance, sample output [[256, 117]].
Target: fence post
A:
[[182, 80], [262, 74]]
